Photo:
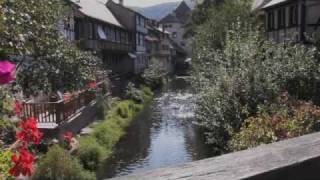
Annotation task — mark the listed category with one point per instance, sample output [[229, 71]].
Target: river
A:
[[162, 135]]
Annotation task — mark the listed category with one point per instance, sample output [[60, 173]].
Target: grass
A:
[[106, 134]]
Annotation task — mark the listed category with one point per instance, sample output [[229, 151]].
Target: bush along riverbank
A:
[[98, 145], [252, 91]]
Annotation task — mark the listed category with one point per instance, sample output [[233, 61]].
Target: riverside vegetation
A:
[[97, 146], [46, 62], [241, 77]]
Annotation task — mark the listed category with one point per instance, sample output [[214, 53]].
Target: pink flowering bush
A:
[[22, 161], [7, 72]]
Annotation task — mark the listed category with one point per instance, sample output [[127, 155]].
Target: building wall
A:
[[118, 63], [305, 23], [177, 30], [312, 16], [159, 49], [136, 25], [67, 27], [111, 43], [142, 59]]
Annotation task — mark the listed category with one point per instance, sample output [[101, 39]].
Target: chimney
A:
[[121, 2]]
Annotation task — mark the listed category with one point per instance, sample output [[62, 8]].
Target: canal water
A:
[[162, 135]]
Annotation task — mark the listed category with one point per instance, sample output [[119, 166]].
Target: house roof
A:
[[273, 3], [122, 6], [258, 4], [182, 12], [170, 18], [179, 15], [97, 9], [182, 8]]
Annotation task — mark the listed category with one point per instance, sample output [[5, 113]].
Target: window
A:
[[174, 34], [106, 31], [141, 39], [101, 33], [165, 47], [142, 21], [115, 35], [137, 20], [90, 32], [183, 44], [124, 37], [270, 21], [112, 34], [118, 36], [167, 26], [79, 29], [95, 31], [281, 18], [137, 39], [293, 15]]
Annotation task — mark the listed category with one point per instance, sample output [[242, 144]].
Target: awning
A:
[[153, 39], [133, 56]]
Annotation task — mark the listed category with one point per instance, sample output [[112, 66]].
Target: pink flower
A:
[[7, 71], [93, 85], [67, 136]]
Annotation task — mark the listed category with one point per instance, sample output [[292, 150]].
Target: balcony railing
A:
[[105, 45], [60, 111]]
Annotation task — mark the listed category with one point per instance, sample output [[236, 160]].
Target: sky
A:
[[145, 3]]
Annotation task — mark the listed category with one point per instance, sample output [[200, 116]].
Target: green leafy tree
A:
[[247, 72], [154, 73], [1, 17], [210, 22], [46, 60]]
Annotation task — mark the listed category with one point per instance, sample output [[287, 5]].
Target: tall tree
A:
[[46, 60]]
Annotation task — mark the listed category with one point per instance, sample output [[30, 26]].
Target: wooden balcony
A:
[[52, 114], [105, 45]]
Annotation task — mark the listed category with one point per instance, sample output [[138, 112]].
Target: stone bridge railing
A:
[[294, 159]]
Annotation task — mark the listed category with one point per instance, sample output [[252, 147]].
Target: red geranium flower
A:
[[23, 163], [93, 85], [67, 136], [7, 71], [29, 131], [18, 108]]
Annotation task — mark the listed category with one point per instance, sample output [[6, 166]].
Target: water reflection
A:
[[161, 135]]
